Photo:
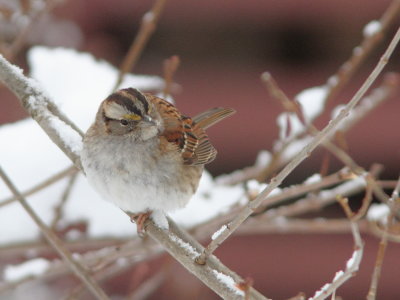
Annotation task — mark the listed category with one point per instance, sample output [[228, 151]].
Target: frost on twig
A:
[[61, 131], [352, 264]]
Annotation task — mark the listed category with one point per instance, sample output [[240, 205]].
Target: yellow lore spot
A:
[[133, 117]]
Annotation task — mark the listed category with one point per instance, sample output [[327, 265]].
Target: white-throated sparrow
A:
[[143, 155]]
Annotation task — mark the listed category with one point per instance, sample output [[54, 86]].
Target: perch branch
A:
[[42, 110]]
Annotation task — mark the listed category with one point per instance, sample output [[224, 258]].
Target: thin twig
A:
[[170, 66], [299, 226], [351, 267], [11, 51], [367, 104], [394, 205], [390, 83], [303, 154], [277, 93], [357, 169], [370, 42], [52, 238], [204, 230], [134, 251], [149, 286], [47, 182], [64, 197], [299, 189], [352, 264], [147, 27], [315, 202]]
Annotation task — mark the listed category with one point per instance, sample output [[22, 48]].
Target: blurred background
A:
[[224, 48]]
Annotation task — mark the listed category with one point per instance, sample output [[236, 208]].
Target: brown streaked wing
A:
[[197, 149], [189, 135]]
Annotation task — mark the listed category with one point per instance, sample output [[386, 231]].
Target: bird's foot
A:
[[140, 219]]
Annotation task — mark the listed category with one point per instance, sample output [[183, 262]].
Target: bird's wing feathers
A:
[[212, 116], [189, 134]]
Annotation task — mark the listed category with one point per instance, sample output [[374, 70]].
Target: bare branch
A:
[[299, 226], [64, 197], [77, 268], [370, 42], [170, 66], [394, 205], [367, 104], [148, 287], [149, 22], [303, 154], [47, 182], [12, 50]]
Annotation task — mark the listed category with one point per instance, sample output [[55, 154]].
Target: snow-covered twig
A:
[[58, 127], [203, 230], [186, 253], [304, 153], [352, 266], [389, 85]]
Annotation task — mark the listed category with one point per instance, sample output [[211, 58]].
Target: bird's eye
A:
[[124, 122]]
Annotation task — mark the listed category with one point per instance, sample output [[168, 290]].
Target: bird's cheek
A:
[[149, 132]]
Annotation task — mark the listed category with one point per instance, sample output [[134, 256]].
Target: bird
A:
[[143, 155]]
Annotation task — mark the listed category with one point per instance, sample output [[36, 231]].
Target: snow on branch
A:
[[42, 109], [352, 266]]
